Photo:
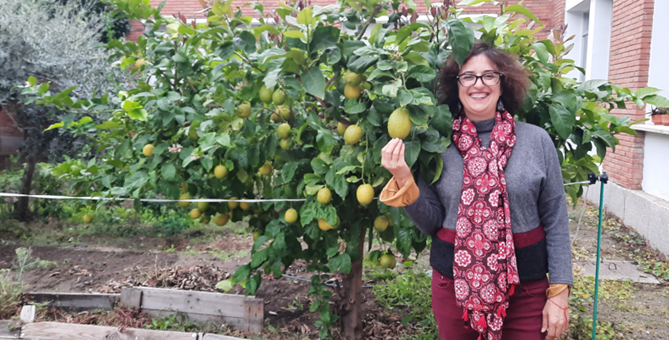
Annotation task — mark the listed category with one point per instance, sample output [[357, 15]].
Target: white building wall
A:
[[656, 140]]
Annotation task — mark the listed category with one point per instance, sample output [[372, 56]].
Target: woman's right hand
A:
[[392, 158]]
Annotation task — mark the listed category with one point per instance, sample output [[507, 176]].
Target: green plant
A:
[[10, 294], [194, 111], [24, 261], [411, 292], [178, 322]]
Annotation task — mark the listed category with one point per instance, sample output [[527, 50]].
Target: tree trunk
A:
[[352, 304], [22, 206]]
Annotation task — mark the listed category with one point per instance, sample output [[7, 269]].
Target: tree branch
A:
[[363, 29]]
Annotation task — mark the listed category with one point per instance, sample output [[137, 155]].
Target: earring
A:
[[500, 106]]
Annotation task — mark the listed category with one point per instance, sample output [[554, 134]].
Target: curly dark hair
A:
[[514, 82]]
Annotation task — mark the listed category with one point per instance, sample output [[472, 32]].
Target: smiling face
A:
[[479, 101]]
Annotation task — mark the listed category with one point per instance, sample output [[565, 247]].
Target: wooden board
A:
[[55, 330], [77, 301], [217, 337], [193, 302], [6, 332], [241, 312]]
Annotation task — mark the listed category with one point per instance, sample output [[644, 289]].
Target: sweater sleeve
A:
[[552, 208], [420, 201]]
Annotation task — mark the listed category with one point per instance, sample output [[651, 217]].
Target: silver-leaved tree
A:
[[55, 43]]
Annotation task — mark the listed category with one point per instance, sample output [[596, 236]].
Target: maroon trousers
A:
[[523, 318]]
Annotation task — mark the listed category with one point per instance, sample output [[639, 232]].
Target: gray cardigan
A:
[[536, 197]]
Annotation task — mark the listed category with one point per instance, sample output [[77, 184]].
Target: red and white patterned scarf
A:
[[484, 270]]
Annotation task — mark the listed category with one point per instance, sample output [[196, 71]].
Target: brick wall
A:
[[632, 24], [541, 8], [558, 12]]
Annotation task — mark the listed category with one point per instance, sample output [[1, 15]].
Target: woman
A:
[[497, 216]]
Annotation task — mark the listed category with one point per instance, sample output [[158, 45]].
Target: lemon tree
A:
[[301, 109]]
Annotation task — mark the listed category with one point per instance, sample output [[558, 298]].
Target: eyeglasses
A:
[[469, 80]]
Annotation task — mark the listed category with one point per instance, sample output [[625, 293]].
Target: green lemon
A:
[[291, 215], [365, 194], [244, 110], [184, 197], [266, 94], [399, 123], [381, 224], [283, 130], [220, 171], [324, 196], [278, 97], [352, 78], [353, 134]]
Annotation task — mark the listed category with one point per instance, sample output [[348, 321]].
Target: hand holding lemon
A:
[[392, 158]]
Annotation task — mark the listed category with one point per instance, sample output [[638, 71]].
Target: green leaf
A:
[[340, 262], [259, 257], [306, 17], [443, 120], [295, 34], [411, 151], [421, 73], [562, 120], [326, 141], [225, 285], [168, 171], [136, 181], [656, 100], [288, 171], [361, 64], [524, 11], [460, 38], [541, 51], [108, 125], [314, 82], [319, 166], [324, 37], [606, 137], [245, 41], [341, 186], [354, 106]]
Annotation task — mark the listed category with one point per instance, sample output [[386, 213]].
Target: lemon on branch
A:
[[291, 215], [88, 218], [244, 110], [284, 112], [231, 204], [195, 213], [278, 97], [353, 134], [221, 219], [266, 94], [352, 92], [286, 144], [184, 188], [256, 234], [192, 130], [220, 171], [324, 196], [148, 150], [387, 261], [182, 203], [203, 206], [275, 118], [381, 224], [266, 169], [244, 205], [323, 225], [352, 78], [399, 123], [365, 194], [283, 130], [341, 128]]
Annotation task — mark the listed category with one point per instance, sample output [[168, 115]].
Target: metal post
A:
[[603, 179]]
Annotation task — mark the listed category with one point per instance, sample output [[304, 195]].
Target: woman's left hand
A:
[[555, 318]]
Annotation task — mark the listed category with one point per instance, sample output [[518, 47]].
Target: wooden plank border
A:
[[76, 301], [242, 312]]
